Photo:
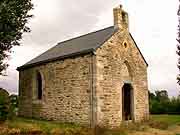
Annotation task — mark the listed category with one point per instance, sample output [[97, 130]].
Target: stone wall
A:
[[68, 85], [66, 91], [119, 61], [25, 93], [88, 89]]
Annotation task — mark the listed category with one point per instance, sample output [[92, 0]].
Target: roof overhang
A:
[[77, 54]]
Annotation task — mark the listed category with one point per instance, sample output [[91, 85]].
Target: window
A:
[[125, 45], [39, 86]]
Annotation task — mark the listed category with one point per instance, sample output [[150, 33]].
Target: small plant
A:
[[158, 124], [106, 131], [134, 126]]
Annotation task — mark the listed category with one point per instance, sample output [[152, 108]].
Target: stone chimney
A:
[[120, 18]]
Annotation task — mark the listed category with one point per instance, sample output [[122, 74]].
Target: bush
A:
[[105, 131], [4, 104], [160, 103], [158, 124], [13, 106]]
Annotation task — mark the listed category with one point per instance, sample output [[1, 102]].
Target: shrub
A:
[[105, 131], [4, 104], [13, 106], [160, 103], [131, 126], [158, 124]]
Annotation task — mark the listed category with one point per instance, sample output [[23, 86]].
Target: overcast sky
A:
[[153, 23]]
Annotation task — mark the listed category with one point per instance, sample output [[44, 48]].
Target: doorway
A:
[[127, 102]]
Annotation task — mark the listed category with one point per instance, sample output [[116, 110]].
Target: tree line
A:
[[160, 103]]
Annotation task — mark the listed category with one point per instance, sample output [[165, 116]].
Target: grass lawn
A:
[[22, 126], [40, 127], [170, 119]]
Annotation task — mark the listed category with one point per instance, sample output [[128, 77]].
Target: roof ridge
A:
[[105, 33], [83, 35], [57, 44]]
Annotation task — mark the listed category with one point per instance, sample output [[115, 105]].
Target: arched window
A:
[[39, 86]]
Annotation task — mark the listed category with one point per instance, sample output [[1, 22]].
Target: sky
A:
[[153, 24]]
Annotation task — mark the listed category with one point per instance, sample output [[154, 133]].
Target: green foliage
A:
[[26, 126], [13, 19], [30, 126], [160, 103], [22, 126], [13, 106], [14, 100], [162, 96], [4, 104], [8, 105]]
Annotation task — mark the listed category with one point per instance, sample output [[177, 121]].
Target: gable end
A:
[[138, 49]]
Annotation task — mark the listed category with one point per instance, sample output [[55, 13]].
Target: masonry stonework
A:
[[66, 91], [88, 89], [116, 65]]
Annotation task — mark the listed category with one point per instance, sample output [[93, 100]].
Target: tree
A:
[[4, 104], [13, 106], [162, 96], [14, 15], [178, 44], [151, 95], [160, 103], [14, 100]]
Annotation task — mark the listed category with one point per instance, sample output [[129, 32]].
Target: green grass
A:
[[46, 127], [170, 119], [42, 127]]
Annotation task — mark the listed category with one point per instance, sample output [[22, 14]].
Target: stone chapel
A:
[[96, 79]]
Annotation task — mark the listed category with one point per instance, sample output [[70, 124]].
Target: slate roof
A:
[[76, 46]]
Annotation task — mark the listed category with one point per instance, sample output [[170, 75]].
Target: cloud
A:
[[10, 82], [58, 20]]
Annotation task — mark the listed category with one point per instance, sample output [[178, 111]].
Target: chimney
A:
[[120, 18]]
